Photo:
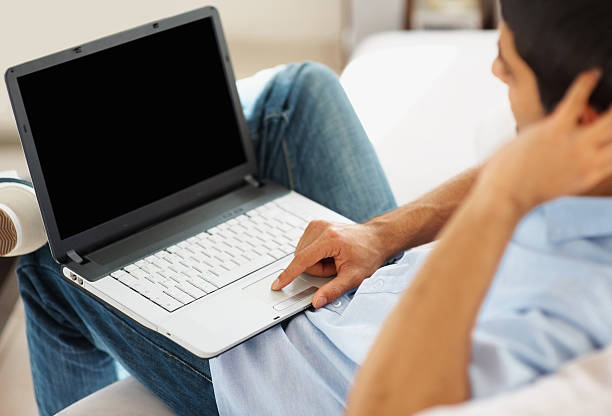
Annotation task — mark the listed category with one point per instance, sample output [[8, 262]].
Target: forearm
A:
[[419, 222], [421, 356], [358, 250]]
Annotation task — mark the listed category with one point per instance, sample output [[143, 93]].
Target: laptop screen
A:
[[129, 125]]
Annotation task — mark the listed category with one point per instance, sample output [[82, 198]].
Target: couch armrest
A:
[[125, 397]]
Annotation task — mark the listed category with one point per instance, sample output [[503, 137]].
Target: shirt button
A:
[[379, 284], [337, 303]]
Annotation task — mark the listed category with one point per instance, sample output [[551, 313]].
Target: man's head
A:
[[545, 45]]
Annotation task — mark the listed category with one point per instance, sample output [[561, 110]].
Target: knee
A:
[[306, 82], [316, 76], [316, 79], [36, 271], [39, 258]]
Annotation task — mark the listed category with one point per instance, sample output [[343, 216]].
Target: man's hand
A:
[[352, 252], [556, 157]]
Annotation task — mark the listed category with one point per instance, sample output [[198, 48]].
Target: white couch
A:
[[431, 108], [429, 103]]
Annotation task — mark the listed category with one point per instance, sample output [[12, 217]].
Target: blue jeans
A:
[[306, 137]]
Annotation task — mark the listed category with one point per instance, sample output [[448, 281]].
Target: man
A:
[[552, 295]]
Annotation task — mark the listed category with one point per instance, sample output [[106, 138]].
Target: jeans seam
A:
[[160, 348], [288, 164], [283, 115]]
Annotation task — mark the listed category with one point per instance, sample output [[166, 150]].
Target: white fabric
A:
[[125, 397], [429, 103], [583, 388]]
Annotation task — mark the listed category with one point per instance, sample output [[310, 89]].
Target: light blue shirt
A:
[[550, 301]]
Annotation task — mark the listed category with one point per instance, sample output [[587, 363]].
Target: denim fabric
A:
[[306, 137]]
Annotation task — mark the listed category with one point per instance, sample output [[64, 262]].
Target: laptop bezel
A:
[[117, 228]]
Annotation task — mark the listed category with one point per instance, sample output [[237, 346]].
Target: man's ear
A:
[[589, 116]]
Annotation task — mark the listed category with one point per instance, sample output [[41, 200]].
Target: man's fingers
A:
[[600, 132], [312, 232], [324, 268], [571, 107], [332, 290], [304, 259]]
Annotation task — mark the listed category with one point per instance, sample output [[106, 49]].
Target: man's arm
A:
[[421, 356], [359, 250], [419, 222]]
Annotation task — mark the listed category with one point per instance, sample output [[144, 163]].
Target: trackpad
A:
[[261, 289]]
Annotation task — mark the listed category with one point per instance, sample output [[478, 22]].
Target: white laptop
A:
[[147, 181]]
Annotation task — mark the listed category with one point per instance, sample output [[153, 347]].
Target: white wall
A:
[[369, 16], [33, 28], [30, 27]]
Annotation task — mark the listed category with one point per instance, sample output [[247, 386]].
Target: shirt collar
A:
[[576, 218]]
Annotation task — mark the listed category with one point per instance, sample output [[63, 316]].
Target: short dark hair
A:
[[559, 39]]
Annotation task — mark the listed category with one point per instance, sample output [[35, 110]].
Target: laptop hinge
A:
[[252, 181], [74, 256]]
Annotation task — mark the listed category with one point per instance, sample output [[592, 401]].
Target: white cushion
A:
[[582, 387], [125, 397], [429, 103]]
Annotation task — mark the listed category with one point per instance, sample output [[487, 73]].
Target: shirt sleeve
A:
[[513, 348]]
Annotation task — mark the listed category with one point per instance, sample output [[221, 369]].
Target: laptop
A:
[[146, 177]]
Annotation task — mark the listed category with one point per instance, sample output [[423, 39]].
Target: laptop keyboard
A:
[[200, 265]]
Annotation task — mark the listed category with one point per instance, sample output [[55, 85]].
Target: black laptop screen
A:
[[127, 126]]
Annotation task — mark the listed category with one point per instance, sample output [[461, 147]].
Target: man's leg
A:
[[308, 138], [74, 341]]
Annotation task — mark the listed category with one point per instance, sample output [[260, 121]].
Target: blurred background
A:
[[260, 34]]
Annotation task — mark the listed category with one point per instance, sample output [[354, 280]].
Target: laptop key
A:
[[203, 285], [139, 274], [166, 302], [118, 274], [222, 278], [130, 268], [295, 221], [287, 249], [128, 280], [277, 254], [179, 295], [193, 291], [218, 256], [147, 288]]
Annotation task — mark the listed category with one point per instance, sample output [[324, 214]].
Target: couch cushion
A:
[[429, 103], [125, 397]]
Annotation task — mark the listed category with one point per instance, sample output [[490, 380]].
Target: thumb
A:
[[332, 290]]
